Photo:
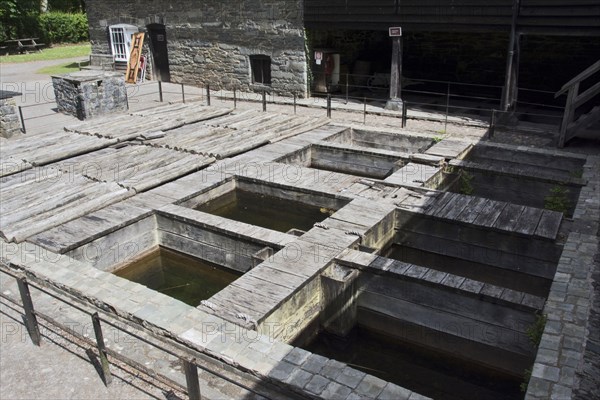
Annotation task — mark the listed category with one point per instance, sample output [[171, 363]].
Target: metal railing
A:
[[190, 359], [477, 101]]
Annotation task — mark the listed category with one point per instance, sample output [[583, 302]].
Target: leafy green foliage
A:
[[534, 332], [23, 18], [466, 185], [558, 200], [526, 377], [62, 27]]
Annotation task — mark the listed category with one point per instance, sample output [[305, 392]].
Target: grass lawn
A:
[[58, 69], [52, 53]]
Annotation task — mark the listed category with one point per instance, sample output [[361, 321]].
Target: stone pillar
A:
[[9, 121], [339, 286], [88, 93]]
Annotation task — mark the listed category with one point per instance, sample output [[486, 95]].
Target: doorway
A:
[[160, 55]]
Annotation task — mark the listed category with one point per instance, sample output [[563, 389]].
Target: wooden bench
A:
[[23, 45], [99, 61]]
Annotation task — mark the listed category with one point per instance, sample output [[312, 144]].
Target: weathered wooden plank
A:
[[549, 224], [509, 217], [490, 212], [264, 272], [470, 213], [461, 203], [439, 202], [528, 221]]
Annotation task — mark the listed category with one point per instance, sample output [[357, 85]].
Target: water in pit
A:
[[266, 211], [178, 275], [480, 272], [424, 371]]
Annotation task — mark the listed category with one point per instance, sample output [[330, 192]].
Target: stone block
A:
[[394, 392], [317, 384], [371, 386], [350, 377]]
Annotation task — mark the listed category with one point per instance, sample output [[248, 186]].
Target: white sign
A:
[[395, 31]]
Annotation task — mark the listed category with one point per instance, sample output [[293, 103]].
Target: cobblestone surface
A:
[[589, 376]]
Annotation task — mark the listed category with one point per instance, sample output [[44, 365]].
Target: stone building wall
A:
[[210, 42]]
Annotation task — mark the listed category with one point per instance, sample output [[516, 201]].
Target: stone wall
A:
[[9, 122], [210, 42]]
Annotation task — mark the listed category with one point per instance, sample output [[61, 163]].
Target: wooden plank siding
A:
[[548, 17]]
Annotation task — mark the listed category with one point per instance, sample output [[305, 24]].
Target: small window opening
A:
[[261, 69]]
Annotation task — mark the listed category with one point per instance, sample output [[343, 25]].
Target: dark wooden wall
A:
[[546, 17]]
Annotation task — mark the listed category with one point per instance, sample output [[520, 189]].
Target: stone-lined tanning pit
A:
[[178, 275], [268, 206]]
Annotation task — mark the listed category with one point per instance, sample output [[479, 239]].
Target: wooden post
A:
[[396, 73], [183, 93], [294, 103], [509, 91], [328, 105], [208, 95], [264, 100], [234, 98], [395, 100], [404, 112], [30, 320], [101, 349], [569, 114], [365, 112], [191, 378], [160, 93]]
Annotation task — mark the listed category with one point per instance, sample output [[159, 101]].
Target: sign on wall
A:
[[395, 31], [133, 65]]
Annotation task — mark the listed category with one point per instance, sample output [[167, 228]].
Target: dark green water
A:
[[178, 275], [481, 272], [427, 372], [266, 211]]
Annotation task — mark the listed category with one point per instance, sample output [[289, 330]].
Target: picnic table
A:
[[21, 45]]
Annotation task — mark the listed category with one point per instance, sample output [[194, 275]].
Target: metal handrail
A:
[[166, 344]]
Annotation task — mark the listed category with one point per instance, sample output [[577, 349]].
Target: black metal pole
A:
[[447, 108], [183, 93], [492, 127], [208, 95], [264, 100], [101, 349], [22, 120], [160, 93], [30, 319], [191, 378], [347, 86]]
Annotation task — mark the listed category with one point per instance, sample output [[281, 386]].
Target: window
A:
[[120, 40], [260, 69]]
